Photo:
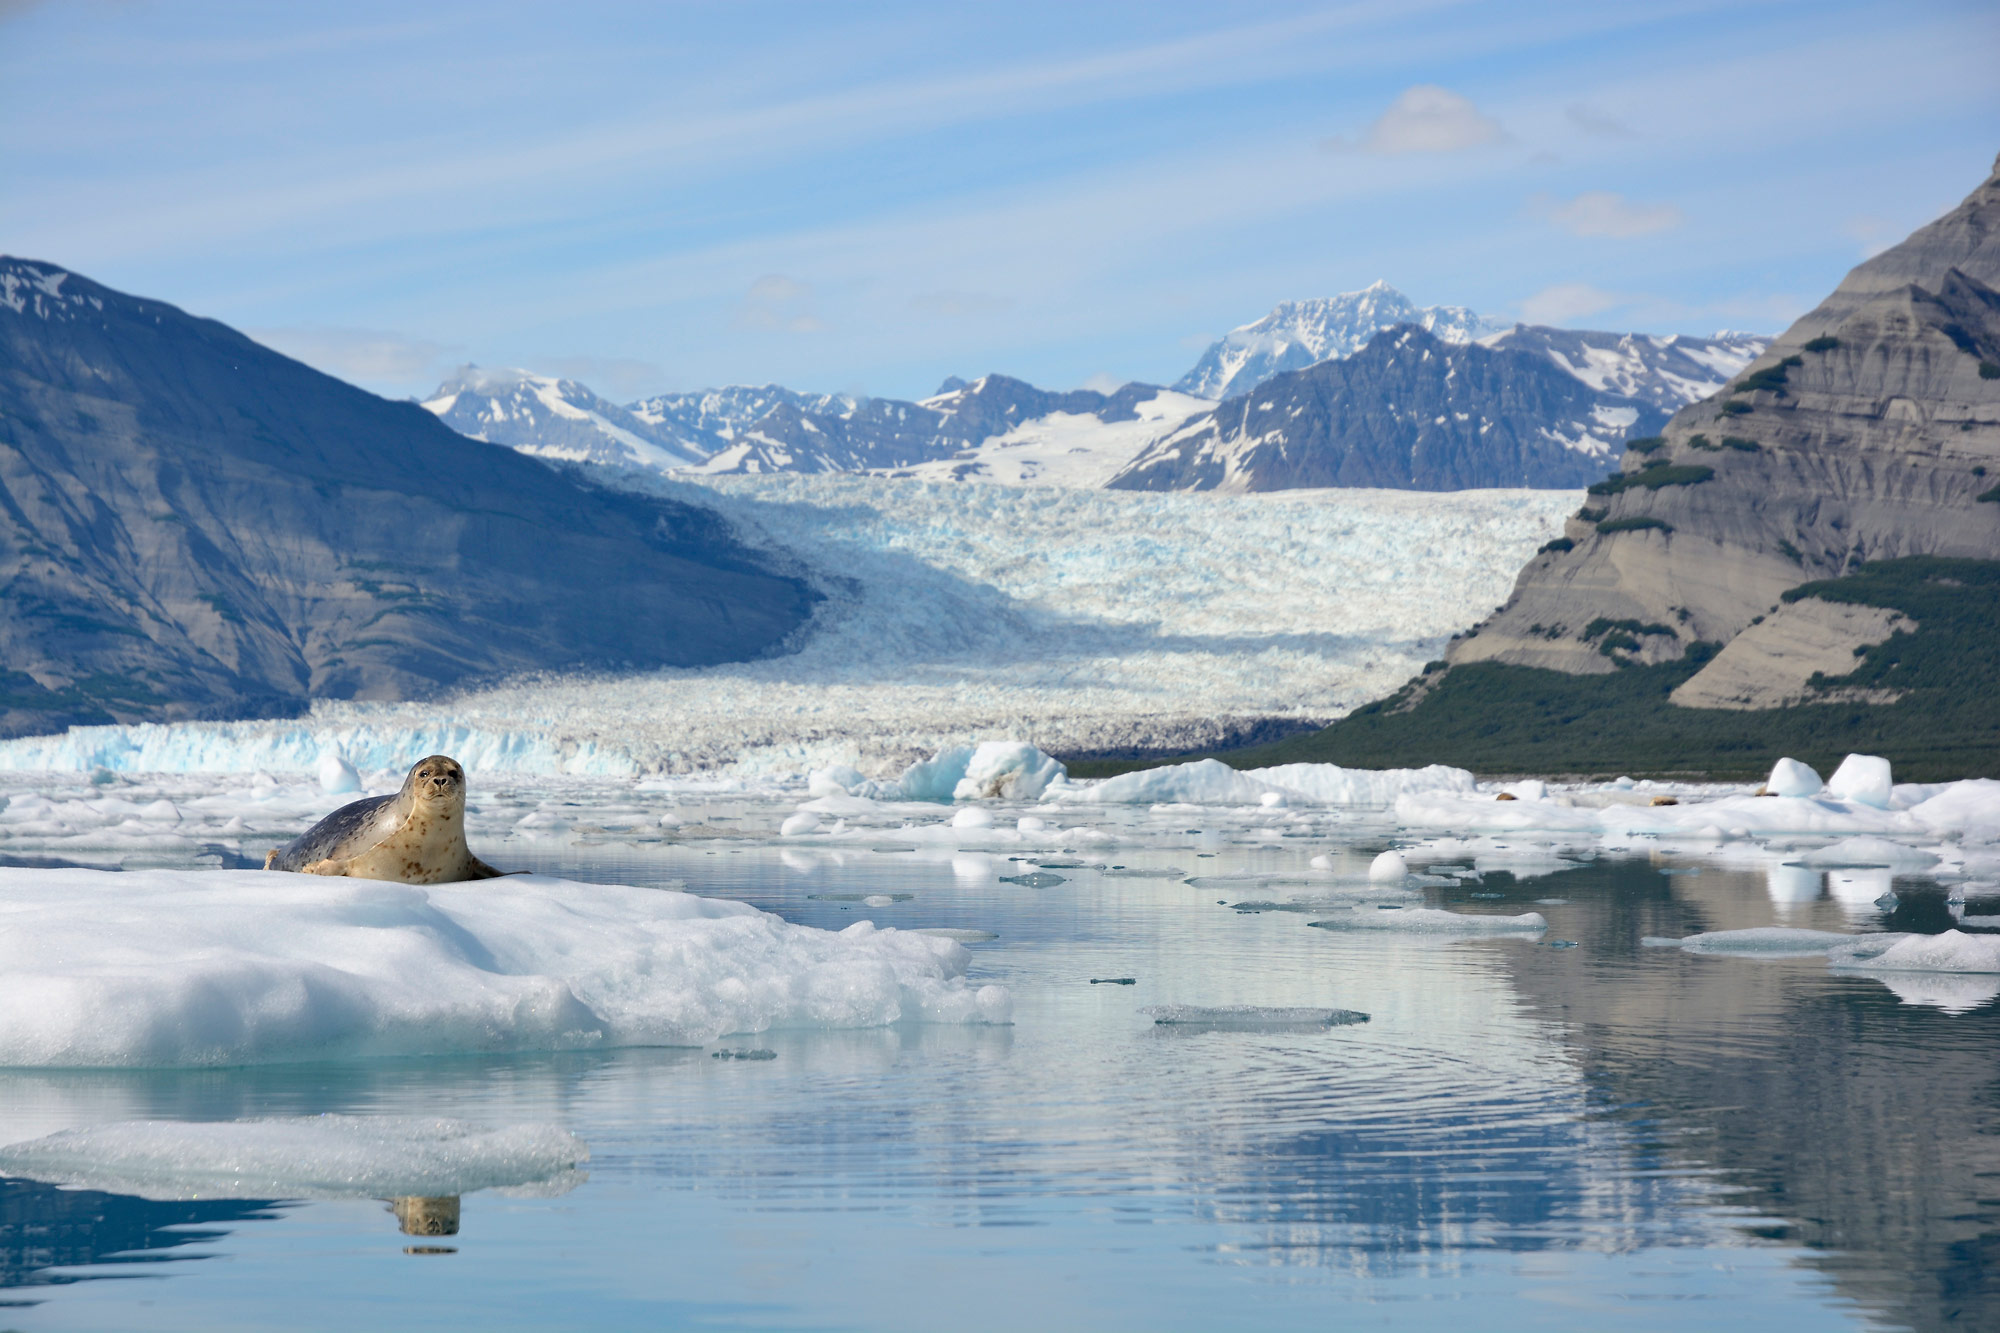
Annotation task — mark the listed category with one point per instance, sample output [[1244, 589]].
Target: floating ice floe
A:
[[292, 1157], [1860, 800], [1760, 941], [1211, 782], [165, 967], [1249, 1017], [1950, 951], [1431, 921]]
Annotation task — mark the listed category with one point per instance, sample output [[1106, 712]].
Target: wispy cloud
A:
[[361, 355], [1427, 119], [778, 304], [616, 377], [1603, 213], [1595, 120], [1566, 301]]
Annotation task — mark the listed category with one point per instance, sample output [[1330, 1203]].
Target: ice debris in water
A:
[[1863, 779], [1869, 853], [166, 967], [1950, 951], [1769, 941], [1249, 1017], [798, 825], [1789, 777], [1212, 782], [322, 1156], [1388, 868], [1433, 921]]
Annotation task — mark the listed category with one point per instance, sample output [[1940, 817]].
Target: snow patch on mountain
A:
[[557, 418], [1297, 334], [1665, 372]]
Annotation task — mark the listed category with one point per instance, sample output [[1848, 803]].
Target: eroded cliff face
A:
[[1868, 431]]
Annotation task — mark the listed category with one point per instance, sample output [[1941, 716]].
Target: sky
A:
[[868, 197]]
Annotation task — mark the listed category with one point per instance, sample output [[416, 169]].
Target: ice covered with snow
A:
[[174, 967], [1072, 620], [1951, 951], [294, 1157], [1789, 777], [1863, 779], [1212, 782], [1064, 448]]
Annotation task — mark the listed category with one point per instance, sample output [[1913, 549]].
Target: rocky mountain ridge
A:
[[1409, 411], [1869, 431], [1297, 334], [197, 526]]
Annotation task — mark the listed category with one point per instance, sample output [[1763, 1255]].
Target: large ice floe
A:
[[303, 1157], [166, 968], [1077, 620]]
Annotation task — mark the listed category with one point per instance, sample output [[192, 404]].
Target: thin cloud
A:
[[360, 355], [615, 376], [1603, 213], [779, 304], [1428, 119], [1873, 234], [1566, 301], [1595, 120]]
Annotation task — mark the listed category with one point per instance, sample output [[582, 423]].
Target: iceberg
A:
[[1951, 951], [179, 968], [1863, 779], [294, 1157], [1789, 777], [1211, 782], [1432, 921]]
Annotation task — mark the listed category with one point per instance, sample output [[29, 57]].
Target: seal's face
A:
[[438, 780]]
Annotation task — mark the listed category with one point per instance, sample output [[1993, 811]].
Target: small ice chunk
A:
[[337, 776], [1322, 862], [884, 899], [1249, 1017], [321, 1156], [1869, 853], [1769, 941], [834, 780], [1951, 951], [972, 817], [1271, 799], [1433, 921], [1789, 777], [798, 825], [1863, 779], [1029, 824], [1389, 867]]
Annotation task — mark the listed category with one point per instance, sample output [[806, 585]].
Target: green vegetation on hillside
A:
[[1653, 477], [1495, 718]]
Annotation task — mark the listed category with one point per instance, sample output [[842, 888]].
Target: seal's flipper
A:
[[271, 859], [478, 869]]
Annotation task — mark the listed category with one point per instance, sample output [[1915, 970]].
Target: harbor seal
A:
[[416, 836]]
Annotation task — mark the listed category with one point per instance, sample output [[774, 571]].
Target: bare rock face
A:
[[1868, 431], [192, 525]]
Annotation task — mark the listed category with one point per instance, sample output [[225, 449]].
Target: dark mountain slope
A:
[[193, 525], [1409, 411]]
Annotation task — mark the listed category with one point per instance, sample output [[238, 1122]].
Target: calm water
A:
[[1521, 1136]]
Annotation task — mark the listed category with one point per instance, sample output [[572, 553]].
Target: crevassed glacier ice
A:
[[172, 968], [1073, 620], [1211, 782], [293, 1157]]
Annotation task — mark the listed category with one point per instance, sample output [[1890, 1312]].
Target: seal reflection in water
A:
[[416, 836], [426, 1215]]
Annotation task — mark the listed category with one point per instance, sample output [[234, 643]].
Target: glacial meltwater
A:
[[1169, 1066]]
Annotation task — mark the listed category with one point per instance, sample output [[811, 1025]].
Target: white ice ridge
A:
[[1211, 782], [1860, 801], [1071, 619], [175, 968], [295, 1157]]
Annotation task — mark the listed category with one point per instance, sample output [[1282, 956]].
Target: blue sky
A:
[[869, 197]]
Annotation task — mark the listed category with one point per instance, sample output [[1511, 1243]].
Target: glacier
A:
[[1077, 620]]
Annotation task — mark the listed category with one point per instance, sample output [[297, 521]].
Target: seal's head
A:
[[436, 781]]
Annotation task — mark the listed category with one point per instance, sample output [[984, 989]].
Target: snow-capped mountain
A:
[[1668, 372], [886, 435], [1410, 411], [715, 416], [557, 418], [1298, 334]]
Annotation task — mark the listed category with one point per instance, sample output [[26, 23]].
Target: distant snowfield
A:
[[1079, 620]]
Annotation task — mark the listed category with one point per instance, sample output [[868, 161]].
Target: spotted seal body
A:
[[416, 836]]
